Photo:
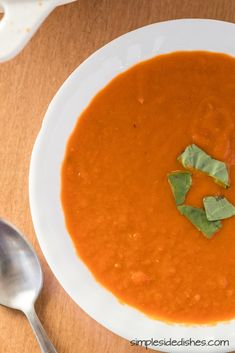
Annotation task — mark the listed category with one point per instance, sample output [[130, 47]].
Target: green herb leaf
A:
[[195, 157], [180, 183], [218, 207], [197, 216]]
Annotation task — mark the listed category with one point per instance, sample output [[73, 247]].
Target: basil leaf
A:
[[195, 157], [197, 216], [218, 207], [180, 183]]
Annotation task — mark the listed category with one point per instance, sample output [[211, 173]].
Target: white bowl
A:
[[45, 168]]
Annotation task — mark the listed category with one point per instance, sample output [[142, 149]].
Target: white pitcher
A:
[[20, 21]]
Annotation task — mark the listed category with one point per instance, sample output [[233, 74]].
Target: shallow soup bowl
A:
[[45, 183]]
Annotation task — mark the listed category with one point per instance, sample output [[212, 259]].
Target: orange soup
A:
[[118, 205]]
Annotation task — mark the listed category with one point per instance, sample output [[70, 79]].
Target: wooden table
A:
[[27, 84]]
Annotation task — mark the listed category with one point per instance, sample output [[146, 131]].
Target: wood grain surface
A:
[[27, 84]]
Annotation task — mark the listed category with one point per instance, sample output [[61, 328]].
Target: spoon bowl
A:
[[21, 276], [21, 279]]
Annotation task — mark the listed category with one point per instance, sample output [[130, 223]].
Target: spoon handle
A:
[[42, 338]]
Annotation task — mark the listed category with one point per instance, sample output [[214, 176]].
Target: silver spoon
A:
[[21, 279]]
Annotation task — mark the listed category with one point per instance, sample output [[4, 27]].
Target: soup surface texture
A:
[[118, 205]]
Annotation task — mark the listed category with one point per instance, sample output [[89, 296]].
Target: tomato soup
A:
[[118, 205]]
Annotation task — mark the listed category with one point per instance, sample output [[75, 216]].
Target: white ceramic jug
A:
[[20, 21]]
